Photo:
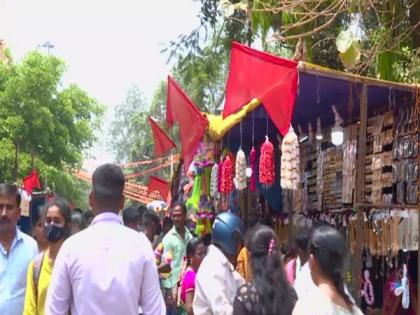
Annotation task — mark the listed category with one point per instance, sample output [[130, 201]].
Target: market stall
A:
[[334, 147]]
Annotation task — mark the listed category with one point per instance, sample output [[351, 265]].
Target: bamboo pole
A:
[[360, 190], [310, 68]]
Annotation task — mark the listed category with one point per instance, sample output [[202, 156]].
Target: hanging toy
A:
[[193, 201], [267, 163], [227, 176], [214, 178], [240, 170], [367, 291], [404, 289], [253, 165]]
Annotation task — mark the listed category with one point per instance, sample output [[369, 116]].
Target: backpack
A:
[[36, 271]]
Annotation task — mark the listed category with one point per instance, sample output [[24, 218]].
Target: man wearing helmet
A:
[[216, 280]]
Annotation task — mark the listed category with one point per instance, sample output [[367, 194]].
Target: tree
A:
[[43, 124], [203, 75], [386, 28], [129, 126]]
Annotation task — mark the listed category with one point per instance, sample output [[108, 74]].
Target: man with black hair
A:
[[107, 268], [16, 252], [132, 218], [88, 215], [151, 225], [78, 222], [174, 250]]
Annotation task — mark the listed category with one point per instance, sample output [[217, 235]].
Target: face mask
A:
[[54, 233]]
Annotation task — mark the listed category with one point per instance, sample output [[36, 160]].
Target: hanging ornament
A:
[[290, 165], [219, 176], [240, 170], [403, 289], [267, 163], [253, 164], [214, 180], [367, 291], [227, 176]]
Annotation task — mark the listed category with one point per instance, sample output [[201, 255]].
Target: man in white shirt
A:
[[217, 280], [107, 268]]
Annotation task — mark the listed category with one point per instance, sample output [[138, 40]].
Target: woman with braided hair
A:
[[269, 292], [326, 262]]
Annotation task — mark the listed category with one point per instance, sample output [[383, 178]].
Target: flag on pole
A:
[[192, 123], [31, 181], [162, 141], [160, 185], [272, 80]]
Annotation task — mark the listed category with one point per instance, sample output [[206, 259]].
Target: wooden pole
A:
[[360, 191]]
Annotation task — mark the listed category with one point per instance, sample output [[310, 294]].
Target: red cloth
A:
[[255, 74], [162, 142], [31, 181], [192, 123], [158, 184]]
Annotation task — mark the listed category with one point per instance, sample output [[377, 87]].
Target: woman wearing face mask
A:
[[327, 250], [57, 216]]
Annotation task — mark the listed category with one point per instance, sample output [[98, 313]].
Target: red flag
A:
[[255, 74], [158, 184], [162, 142], [192, 124], [31, 181]]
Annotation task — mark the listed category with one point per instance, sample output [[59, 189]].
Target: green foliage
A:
[[129, 127], [47, 125], [203, 75], [407, 69]]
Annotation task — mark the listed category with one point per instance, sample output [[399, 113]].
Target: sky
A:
[[107, 44]]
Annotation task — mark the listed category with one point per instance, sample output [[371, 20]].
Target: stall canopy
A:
[[253, 110]]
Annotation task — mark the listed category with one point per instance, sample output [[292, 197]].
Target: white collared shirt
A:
[[216, 285], [105, 269]]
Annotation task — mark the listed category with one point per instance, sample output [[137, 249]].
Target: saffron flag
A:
[[158, 184], [162, 142], [31, 181], [192, 123], [272, 80]]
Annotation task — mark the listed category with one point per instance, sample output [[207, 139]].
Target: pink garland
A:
[[267, 163], [253, 164], [219, 176], [227, 176], [367, 291]]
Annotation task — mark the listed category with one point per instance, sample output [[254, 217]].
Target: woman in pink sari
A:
[[195, 254]]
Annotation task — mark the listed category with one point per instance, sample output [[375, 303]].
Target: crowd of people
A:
[[131, 261]]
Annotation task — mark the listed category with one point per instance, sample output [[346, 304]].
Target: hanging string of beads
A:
[[266, 169], [253, 165]]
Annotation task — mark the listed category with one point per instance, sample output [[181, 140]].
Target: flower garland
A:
[[240, 170], [367, 291], [227, 176], [214, 180], [219, 176], [253, 164], [267, 171]]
